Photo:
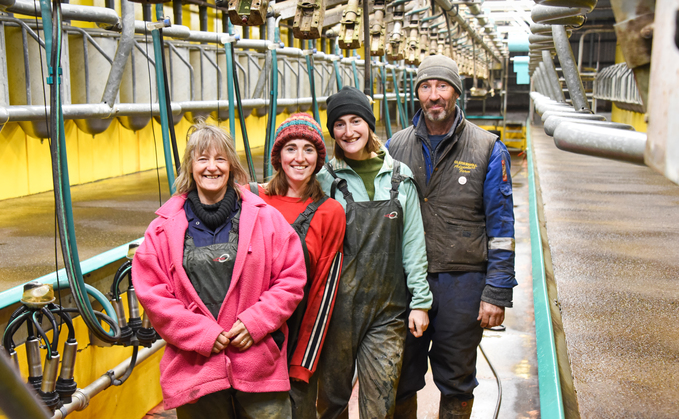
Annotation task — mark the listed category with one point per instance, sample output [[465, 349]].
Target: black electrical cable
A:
[[499, 384], [65, 318], [241, 118], [128, 372], [8, 336], [312, 83], [49, 138], [272, 87], [450, 36], [43, 335], [122, 271], [367, 81], [170, 120], [153, 131], [17, 313], [112, 324], [53, 129], [53, 320]]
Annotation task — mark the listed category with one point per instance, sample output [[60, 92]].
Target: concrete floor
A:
[[614, 240], [115, 211], [511, 352], [107, 214]]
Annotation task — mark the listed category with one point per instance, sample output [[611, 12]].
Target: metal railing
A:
[[293, 92]]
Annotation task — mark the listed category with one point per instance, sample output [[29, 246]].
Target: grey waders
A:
[[368, 326]]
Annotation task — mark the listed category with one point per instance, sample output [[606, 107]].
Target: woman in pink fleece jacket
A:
[[219, 272]]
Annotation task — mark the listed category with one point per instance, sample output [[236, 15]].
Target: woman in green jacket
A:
[[385, 265]]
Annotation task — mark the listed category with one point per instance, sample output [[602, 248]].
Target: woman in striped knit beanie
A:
[[298, 154]]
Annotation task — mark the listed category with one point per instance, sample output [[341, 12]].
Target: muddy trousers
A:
[[376, 349], [454, 334], [234, 404], [303, 398]]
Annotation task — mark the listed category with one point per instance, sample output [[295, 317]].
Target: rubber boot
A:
[[406, 409], [454, 408]]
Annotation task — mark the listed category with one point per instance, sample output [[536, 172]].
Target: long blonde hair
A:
[[203, 137], [372, 146]]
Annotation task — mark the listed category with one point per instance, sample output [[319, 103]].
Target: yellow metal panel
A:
[[105, 155], [39, 165], [635, 119], [212, 20], [129, 149], [71, 133], [256, 127], [150, 149], [511, 137], [194, 21], [85, 171], [14, 167], [180, 130], [138, 11]]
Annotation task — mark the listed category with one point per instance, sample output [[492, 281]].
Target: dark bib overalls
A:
[[302, 395], [210, 269], [368, 325], [301, 227]]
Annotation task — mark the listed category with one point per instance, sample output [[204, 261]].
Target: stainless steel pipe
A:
[[609, 143], [554, 121], [569, 68], [102, 16], [81, 398], [125, 44], [552, 77]]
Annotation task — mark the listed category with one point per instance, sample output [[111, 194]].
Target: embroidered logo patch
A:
[[223, 258], [392, 215], [463, 166]]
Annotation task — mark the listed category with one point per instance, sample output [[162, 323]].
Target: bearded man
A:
[[464, 181]]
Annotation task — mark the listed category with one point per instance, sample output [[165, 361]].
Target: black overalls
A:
[[301, 227], [210, 269], [368, 325]]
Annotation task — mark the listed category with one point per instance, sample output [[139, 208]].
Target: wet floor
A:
[[107, 214], [511, 352], [614, 240], [115, 211]]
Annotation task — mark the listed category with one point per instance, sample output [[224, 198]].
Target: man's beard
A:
[[437, 116]]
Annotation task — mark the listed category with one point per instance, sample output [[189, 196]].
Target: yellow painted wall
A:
[[13, 150], [117, 151], [636, 119]]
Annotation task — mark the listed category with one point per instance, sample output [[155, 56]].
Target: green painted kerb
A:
[[551, 401]]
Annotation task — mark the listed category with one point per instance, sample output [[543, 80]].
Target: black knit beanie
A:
[[349, 101]]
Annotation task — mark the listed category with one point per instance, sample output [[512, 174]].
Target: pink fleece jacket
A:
[[267, 284]]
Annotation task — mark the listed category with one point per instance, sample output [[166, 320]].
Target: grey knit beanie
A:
[[439, 67]]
